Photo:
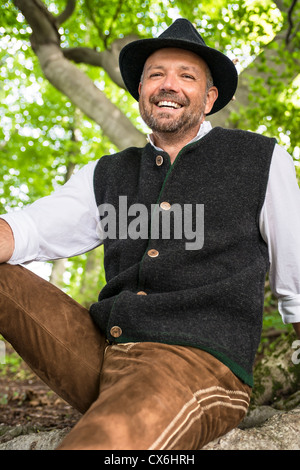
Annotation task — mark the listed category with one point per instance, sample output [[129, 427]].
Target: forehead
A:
[[175, 56]]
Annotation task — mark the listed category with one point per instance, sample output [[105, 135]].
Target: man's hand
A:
[[297, 329], [7, 243]]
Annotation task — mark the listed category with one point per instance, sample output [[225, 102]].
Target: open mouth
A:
[[168, 104]]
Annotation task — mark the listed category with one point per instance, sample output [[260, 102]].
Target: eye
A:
[[187, 76], [155, 74]]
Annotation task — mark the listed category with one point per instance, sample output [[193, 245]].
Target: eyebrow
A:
[[181, 67], [188, 67]]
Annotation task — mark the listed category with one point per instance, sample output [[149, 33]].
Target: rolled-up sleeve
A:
[[280, 227], [61, 225]]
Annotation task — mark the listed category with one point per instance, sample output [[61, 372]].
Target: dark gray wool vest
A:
[[208, 295]]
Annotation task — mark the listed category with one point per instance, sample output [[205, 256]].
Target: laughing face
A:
[[173, 93]]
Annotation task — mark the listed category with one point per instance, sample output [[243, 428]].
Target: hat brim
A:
[[134, 55]]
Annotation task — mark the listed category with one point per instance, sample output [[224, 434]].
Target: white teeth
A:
[[169, 104]]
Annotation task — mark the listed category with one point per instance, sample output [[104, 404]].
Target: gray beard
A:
[[172, 126], [179, 125]]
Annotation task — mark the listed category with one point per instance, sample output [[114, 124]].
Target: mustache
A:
[[169, 96]]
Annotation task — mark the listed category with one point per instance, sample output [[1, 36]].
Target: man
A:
[[164, 359]]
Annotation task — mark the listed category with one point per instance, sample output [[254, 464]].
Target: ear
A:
[[140, 86], [211, 97]]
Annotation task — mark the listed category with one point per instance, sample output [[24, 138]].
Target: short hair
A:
[[209, 79]]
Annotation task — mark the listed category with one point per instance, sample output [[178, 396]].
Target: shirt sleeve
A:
[[61, 225], [280, 228]]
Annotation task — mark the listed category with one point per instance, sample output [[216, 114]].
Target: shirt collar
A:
[[203, 130]]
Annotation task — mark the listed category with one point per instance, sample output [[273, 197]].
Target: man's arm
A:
[[280, 228], [7, 242], [297, 329], [61, 225]]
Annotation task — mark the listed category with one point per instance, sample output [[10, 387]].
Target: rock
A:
[[47, 440], [289, 403], [257, 416], [277, 374], [280, 432], [264, 428]]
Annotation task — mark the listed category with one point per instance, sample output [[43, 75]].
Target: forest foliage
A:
[[47, 133]]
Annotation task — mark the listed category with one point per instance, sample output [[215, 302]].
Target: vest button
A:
[[141, 292], [153, 253], [159, 160], [166, 206], [116, 331]]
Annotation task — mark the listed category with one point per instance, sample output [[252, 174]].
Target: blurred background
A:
[[63, 103]]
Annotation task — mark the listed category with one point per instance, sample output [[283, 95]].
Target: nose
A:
[[169, 83]]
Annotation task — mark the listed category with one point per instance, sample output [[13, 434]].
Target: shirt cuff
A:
[[25, 237], [289, 308]]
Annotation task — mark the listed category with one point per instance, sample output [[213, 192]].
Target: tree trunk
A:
[[74, 83]]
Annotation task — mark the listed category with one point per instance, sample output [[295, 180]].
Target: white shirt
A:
[[66, 224]]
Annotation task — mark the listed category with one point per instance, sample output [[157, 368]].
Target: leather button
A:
[[159, 160], [153, 253], [166, 206], [141, 292], [116, 331]]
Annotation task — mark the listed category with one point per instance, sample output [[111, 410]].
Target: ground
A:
[[25, 400]]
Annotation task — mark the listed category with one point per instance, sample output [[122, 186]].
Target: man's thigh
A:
[[52, 333], [160, 397]]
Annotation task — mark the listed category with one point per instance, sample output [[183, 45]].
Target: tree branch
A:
[[41, 22], [75, 84], [290, 20], [68, 11], [108, 59]]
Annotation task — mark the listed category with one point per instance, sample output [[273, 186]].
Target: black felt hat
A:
[[181, 34]]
